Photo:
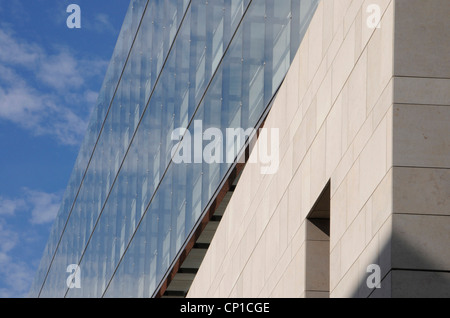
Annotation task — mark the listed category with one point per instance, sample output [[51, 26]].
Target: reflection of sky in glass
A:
[[130, 212]]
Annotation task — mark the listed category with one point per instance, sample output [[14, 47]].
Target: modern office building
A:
[[350, 98]]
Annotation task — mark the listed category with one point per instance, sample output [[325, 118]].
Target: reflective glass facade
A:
[[128, 209]]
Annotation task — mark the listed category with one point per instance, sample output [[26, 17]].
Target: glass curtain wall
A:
[[129, 209]]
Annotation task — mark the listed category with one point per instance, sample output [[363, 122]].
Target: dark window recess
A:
[[317, 270]]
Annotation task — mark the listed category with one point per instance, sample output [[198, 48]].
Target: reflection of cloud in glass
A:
[[175, 195]]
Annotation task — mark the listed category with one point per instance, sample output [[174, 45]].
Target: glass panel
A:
[[115, 134], [202, 65], [226, 104]]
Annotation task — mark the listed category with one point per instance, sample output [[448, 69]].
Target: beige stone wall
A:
[[349, 114], [421, 156]]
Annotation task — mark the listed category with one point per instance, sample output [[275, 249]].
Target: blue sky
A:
[[50, 76]]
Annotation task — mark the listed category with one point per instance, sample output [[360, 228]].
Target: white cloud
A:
[[8, 76], [41, 114], [91, 97], [103, 23], [10, 207], [61, 72], [65, 73], [44, 206], [14, 52], [15, 275], [70, 130], [21, 105], [100, 23], [8, 240], [39, 208], [60, 110]]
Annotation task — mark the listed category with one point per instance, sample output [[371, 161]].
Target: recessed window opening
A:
[[317, 268]]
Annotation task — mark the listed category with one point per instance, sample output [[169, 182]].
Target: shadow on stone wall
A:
[[407, 271]]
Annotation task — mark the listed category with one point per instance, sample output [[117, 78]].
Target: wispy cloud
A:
[[41, 114], [60, 71], [41, 206], [17, 275], [23, 105], [9, 76], [46, 93], [99, 23], [8, 240], [14, 52], [10, 207], [33, 211], [103, 23], [92, 21], [14, 273], [65, 73], [44, 206], [90, 96]]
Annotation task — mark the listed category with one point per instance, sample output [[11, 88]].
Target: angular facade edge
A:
[[366, 108]]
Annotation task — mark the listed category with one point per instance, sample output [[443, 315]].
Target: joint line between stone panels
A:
[[409, 270], [418, 104], [359, 57], [419, 214], [356, 159], [340, 92], [365, 247], [129, 145], [381, 281], [421, 167], [276, 269], [92, 153], [367, 201], [261, 120], [421, 270], [317, 70], [371, 36], [327, 50], [165, 172], [357, 133], [421, 77]]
